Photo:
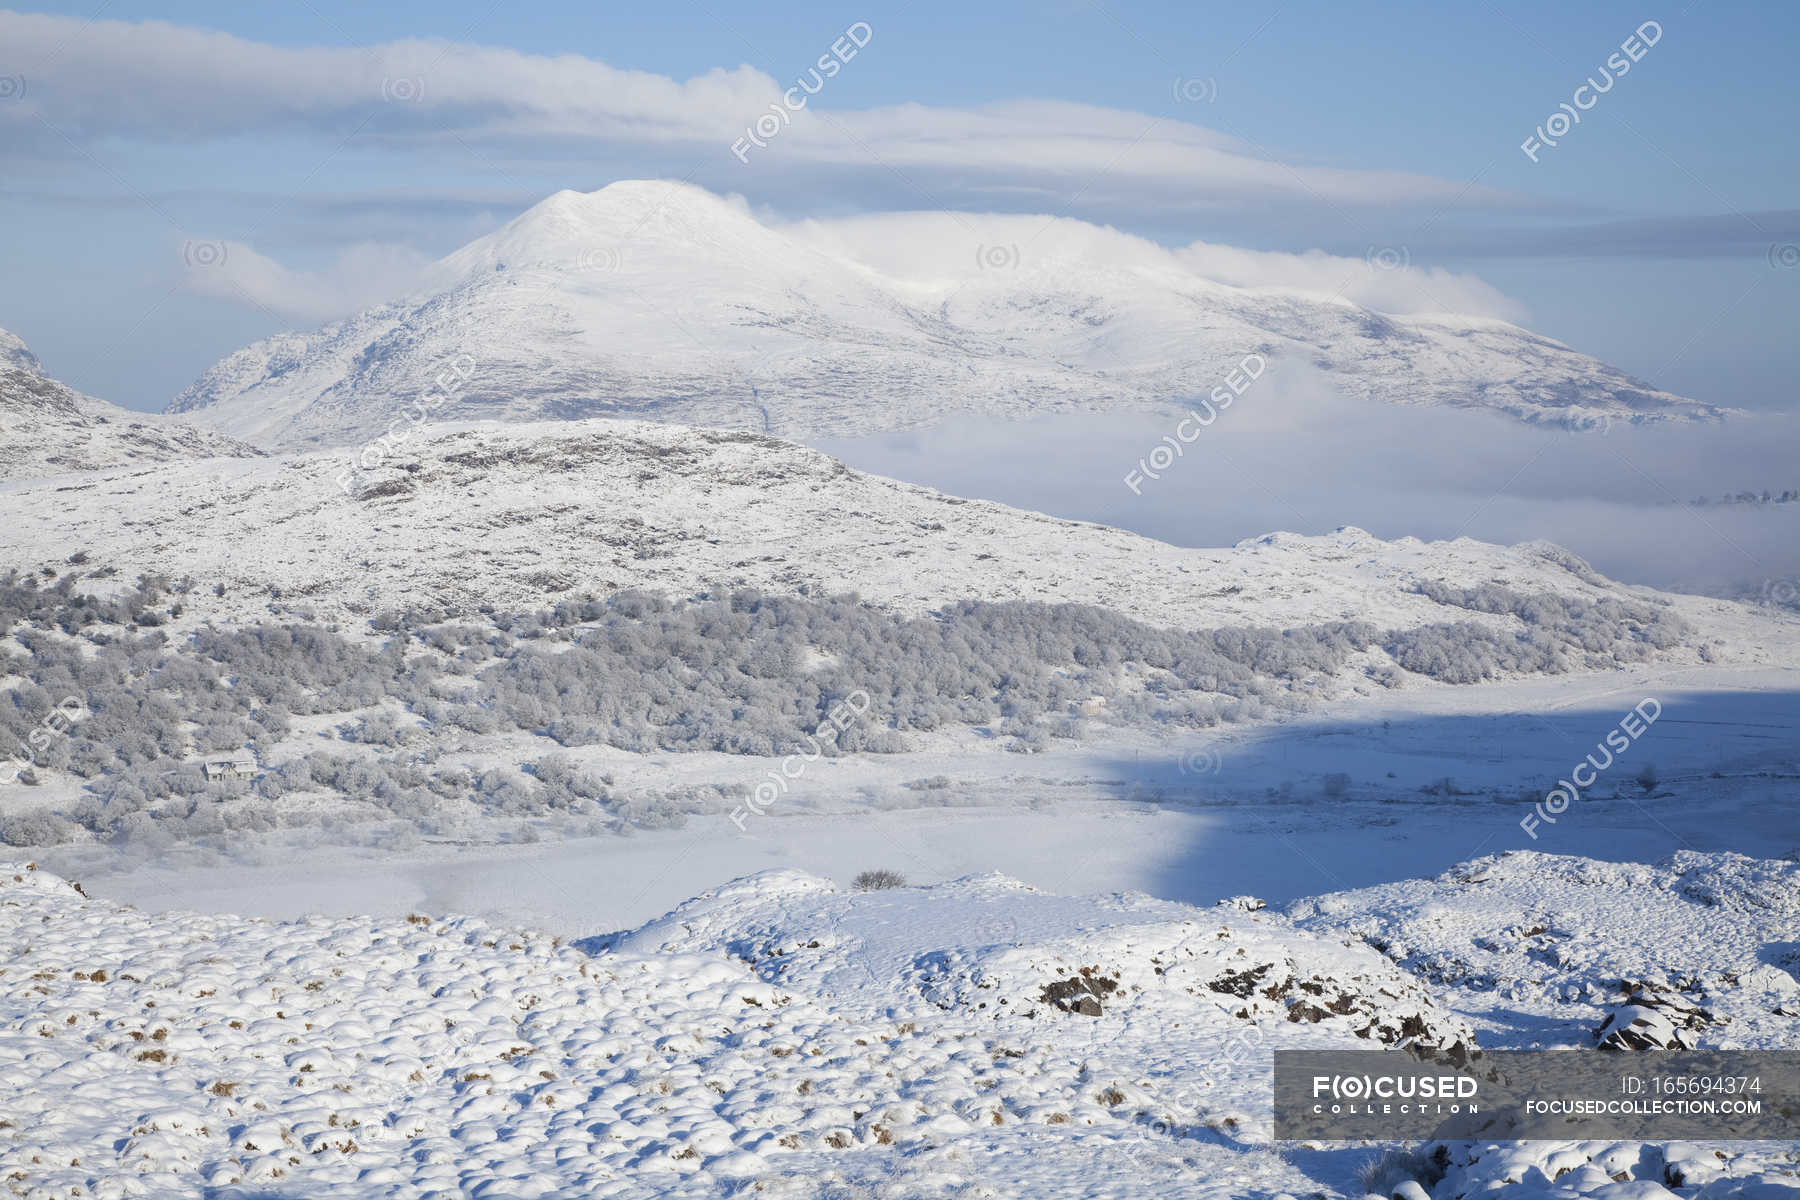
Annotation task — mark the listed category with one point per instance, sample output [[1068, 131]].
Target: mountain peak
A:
[[595, 229], [620, 206], [647, 196]]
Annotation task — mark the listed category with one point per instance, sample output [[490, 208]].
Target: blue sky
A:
[[1644, 237]]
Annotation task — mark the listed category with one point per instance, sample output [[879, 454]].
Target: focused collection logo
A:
[[1382, 1095]]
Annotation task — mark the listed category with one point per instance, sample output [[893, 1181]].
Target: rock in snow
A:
[[1652, 1019]]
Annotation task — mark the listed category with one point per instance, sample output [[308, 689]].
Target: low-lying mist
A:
[[1292, 454]]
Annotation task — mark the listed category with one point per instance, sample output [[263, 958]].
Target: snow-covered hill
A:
[[779, 1037], [512, 517], [48, 428], [663, 301]]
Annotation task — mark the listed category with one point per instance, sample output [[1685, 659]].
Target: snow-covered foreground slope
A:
[[778, 1037], [1544, 942], [662, 301], [510, 517], [48, 428]]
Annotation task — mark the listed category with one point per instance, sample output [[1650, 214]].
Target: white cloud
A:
[[158, 80], [1294, 454], [361, 276], [936, 250], [1380, 280]]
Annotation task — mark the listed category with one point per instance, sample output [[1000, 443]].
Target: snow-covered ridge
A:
[[663, 301], [770, 1036], [48, 428], [515, 517]]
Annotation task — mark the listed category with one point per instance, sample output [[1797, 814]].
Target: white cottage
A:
[[238, 767]]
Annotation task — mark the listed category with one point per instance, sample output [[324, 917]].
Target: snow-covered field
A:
[[780, 1036], [513, 516]]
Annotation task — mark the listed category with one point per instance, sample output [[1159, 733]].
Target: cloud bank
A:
[[1292, 454], [161, 81], [932, 250], [360, 277]]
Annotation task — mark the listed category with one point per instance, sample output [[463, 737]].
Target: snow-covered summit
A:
[[661, 300], [49, 428], [570, 227]]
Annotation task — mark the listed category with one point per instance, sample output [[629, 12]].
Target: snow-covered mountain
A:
[[49, 428], [663, 301]]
